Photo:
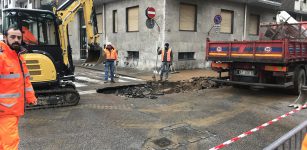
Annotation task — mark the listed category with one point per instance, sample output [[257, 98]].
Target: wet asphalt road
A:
[[195, 120]]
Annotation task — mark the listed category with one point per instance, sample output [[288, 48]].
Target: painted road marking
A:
[[87, 92], [82, 78], [129, 78], [119, 80], [79, 84]]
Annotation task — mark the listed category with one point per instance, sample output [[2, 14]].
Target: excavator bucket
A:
[[302, 98], [94, 57]]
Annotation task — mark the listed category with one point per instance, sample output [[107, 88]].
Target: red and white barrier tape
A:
[[257, 128]]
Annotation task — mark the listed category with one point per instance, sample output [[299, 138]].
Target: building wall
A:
[[74, 37], [182, 41], [145, 40], [300, 5]]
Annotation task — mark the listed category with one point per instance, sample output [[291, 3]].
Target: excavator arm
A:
[[66, 13]]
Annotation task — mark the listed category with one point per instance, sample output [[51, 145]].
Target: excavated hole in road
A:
[[152, 89]]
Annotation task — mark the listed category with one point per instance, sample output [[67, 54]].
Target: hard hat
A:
[[108, 43]]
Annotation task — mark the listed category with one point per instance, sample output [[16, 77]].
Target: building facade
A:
[[184, 24]]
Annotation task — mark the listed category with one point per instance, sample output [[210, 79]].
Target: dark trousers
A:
[[164, 69], [109, 65]]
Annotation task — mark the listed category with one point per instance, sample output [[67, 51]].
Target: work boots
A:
[[161, 78], [302, 98]]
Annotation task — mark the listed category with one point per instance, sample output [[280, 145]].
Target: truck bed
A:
[[273, 51]]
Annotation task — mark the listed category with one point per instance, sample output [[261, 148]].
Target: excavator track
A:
[[52, 98]]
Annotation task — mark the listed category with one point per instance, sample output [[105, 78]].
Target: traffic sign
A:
[[150, 23], [150, 12], [217, 19]]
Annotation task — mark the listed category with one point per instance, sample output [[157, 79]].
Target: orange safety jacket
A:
[[15, 82], [168, 55], [28, 37], [110, 55], [304, 144]]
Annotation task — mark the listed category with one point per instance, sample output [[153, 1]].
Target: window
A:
[[186, 55], [37, 29], [187, 17], [115, 21], [304, 1], [227, 21], [132, 59], [132, 15], [99, 22], [133, 54], [254, 21], [47, 33], [133, 19]]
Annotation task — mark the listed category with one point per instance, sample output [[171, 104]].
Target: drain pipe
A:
[[104, 22], [245, 22], [163, 25]]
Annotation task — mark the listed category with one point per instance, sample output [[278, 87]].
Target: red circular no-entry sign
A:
[[150, 12]]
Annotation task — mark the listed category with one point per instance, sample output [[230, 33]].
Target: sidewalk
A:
[[147, 75]]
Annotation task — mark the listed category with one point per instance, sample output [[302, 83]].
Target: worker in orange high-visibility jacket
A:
[[110, 55], [15, 89], [304, 144], [167, 59], [28, 36]]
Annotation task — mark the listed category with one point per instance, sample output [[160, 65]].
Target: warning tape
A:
[[257, 128]]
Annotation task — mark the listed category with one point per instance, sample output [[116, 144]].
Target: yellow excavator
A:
[[49, 57]]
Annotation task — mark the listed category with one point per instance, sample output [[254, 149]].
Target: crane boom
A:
[[66, 13]]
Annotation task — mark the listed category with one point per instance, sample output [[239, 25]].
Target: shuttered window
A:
[[133, 19], [188, 17], [227, 21], [254, 21], [99, 22], [115, 21]]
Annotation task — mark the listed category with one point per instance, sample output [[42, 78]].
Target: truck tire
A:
[[299, 80]]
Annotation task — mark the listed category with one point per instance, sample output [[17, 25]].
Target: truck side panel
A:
[[247, 51]]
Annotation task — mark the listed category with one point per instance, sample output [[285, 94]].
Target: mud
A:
[[153, 89]]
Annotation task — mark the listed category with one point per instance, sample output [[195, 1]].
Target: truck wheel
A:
[[298, 81]]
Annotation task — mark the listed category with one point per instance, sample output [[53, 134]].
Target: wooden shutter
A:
[[226, 24], [133, 19], [115, 21], [187, 17], [253, 24], [99, 22]]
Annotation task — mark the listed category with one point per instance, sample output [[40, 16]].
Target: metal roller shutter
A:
[[253, 24], [187, 17], [227, 21], [133, 19], [99, 22], [115, 25]]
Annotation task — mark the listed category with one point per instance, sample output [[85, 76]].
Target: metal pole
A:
[[245, 22]]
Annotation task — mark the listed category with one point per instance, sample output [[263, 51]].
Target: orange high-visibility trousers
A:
[[304, 144], [9, 138]]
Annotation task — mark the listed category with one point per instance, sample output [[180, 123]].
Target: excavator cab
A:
[[40, 38], [49, 57], [51, 77]]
